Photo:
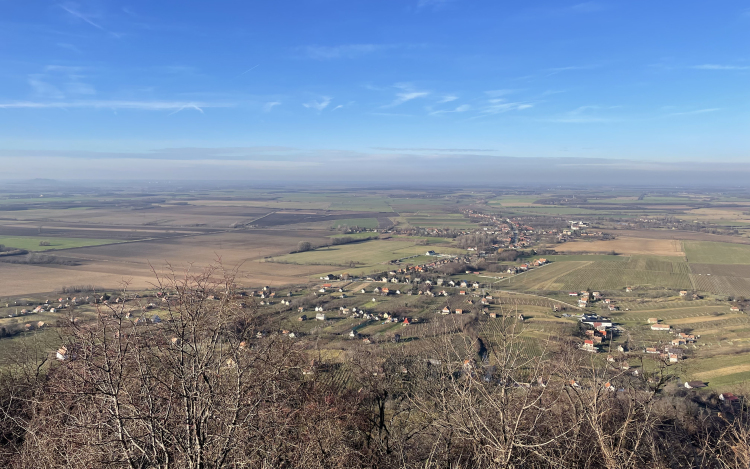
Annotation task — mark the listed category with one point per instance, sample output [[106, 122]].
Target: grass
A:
[[710, 252], [367, 253], [360, 222], [355, 235], [609, 273], [31, 243]]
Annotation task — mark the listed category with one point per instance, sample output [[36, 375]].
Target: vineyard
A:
[[721, 285], [616, 275]]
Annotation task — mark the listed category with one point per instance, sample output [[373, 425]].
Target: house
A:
[[302, 318], [462, 292], [628, 289], [475, 285], [326, 285], [651, 350], [406, 321], [607, 301], [320, 316], [673, 358], [695, 384], [362, 291], [446, 310], [612, 307], [734, 309], [660, 327], [572, 294], [493, 315], [588, 345], [385, 291], [62, 353], [683, 293], [459, 311], [678, 341], [653, 320], [376, 290], [728, 397], [430, 253]]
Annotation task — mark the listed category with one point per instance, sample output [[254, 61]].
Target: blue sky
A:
[[242, 89]]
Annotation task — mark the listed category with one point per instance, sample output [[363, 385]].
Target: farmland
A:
[[124, 238], [31, 243], [626, 246], [716, 253]]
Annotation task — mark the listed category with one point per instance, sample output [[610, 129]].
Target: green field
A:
[[31, 243], [360, 222], [367, 253], [709, 252], [612, 273]]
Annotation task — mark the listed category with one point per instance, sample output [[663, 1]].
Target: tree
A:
[[303, 246]]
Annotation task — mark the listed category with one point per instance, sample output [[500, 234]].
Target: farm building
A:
[[695, 384], [660, 327]]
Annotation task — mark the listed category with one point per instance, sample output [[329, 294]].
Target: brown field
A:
[[691, 320], [108, 266], [626, 246], [728, 370], [677, 235]]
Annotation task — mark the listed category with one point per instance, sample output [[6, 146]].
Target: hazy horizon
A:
[[414, 91]]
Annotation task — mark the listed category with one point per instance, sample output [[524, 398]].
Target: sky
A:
[[392, 90]]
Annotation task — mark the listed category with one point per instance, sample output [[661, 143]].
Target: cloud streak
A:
[[721, 67], [270, 105], [86, 19], [114, 104], [344, 51], [318, 105]]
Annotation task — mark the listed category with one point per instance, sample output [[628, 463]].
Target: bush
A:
[[304, 246], [45, 243]]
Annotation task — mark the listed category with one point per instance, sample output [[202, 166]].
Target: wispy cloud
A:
[[114, 104], [697, 111], [188, 106], [85, 18], [270, 105], [344, 51], [447, 99], [433, 3], [462, 108], [434, 149], [500, 106], [570, 68], [408, 93], [581, 115], [318, 105], [44, 89], [249, 69], [721, 67], [498, 93]]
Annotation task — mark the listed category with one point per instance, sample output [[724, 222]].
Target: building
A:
[[660, 327], [695, 384]]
